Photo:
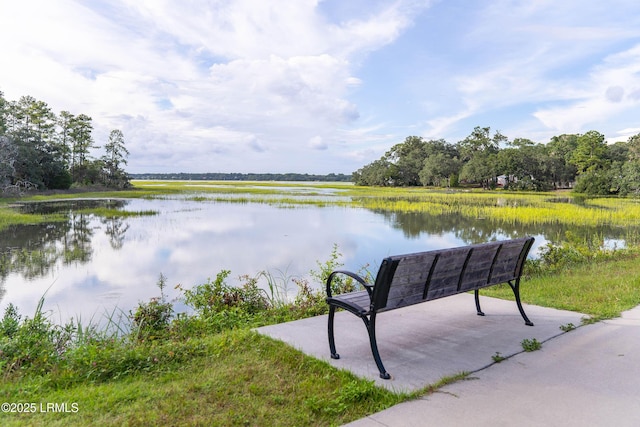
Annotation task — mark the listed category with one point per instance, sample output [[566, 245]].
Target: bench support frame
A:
[[370, 323]]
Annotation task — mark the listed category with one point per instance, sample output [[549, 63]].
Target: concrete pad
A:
[[421, 344], [586, 377]]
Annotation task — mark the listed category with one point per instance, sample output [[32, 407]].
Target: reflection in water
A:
[[87, 265], [33, 250], [470, 231]]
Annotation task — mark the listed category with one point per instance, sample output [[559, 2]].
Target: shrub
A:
[[34, 344], [151, 319], [222, 306]]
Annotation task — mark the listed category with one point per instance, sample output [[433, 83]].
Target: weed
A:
[[531, 344], [151, 319], [568, 327], [10, 323], [497, 358], [277, 291]]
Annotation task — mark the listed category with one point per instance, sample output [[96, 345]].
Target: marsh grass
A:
[[116, 213], [502, 207], [495, 206], [10, 217]]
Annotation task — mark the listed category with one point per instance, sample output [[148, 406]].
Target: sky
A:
[[313, 86]]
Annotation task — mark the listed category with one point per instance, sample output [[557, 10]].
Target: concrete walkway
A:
[[587, 377]]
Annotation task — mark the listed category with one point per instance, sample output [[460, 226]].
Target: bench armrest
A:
[[359, 279]]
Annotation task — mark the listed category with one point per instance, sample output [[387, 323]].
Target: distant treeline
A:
[[584, 162], [217, 176]]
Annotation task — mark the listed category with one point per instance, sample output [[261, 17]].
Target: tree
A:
[[439, 169], [594, 182], [560, 149], [39, 149], [408, 158], [630, 178], [478, 151], [590, 151], [3, 120], [480, 142], [377, 173], [81, 143], [8, 157], [634, 147], [30, 127], [115, 155], [480, 169], [526, 167], [64, 144]]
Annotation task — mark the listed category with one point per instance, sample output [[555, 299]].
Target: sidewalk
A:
[[587, 377]]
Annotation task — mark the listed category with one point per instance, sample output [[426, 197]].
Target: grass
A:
[[500, 207], [245, 379], [601, 289], [9, 216], [116, 213]]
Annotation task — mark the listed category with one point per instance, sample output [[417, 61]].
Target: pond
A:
[[88, 265]]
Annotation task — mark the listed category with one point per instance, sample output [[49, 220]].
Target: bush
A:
[[221, 306], [572, 251], [151, 319], [34, 344]]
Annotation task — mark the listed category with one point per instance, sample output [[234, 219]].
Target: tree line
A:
[[584, 162], [43, 150], [221, 176]]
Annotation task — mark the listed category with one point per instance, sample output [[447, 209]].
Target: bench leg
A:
[[371, 328], [516, 292], [477, 295], [332, 341]]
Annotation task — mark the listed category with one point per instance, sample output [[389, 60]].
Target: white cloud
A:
[[253, 86], [317, 143], [604, 98], [216, 76]]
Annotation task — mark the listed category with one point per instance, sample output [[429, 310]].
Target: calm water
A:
[[89, 265]]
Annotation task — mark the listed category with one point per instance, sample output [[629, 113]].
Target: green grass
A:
[[245, 379], [600, 289], [9, 217], [116, 213]]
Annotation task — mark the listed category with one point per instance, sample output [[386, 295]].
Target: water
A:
[[88, 266]]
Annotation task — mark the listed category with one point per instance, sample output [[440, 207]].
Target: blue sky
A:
[[322, 86]]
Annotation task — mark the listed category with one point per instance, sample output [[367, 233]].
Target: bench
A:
[[404, 280]]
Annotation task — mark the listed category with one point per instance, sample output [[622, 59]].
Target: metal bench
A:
[[404, 280]]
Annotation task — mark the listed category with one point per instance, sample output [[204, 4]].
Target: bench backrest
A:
[[413, 278]]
